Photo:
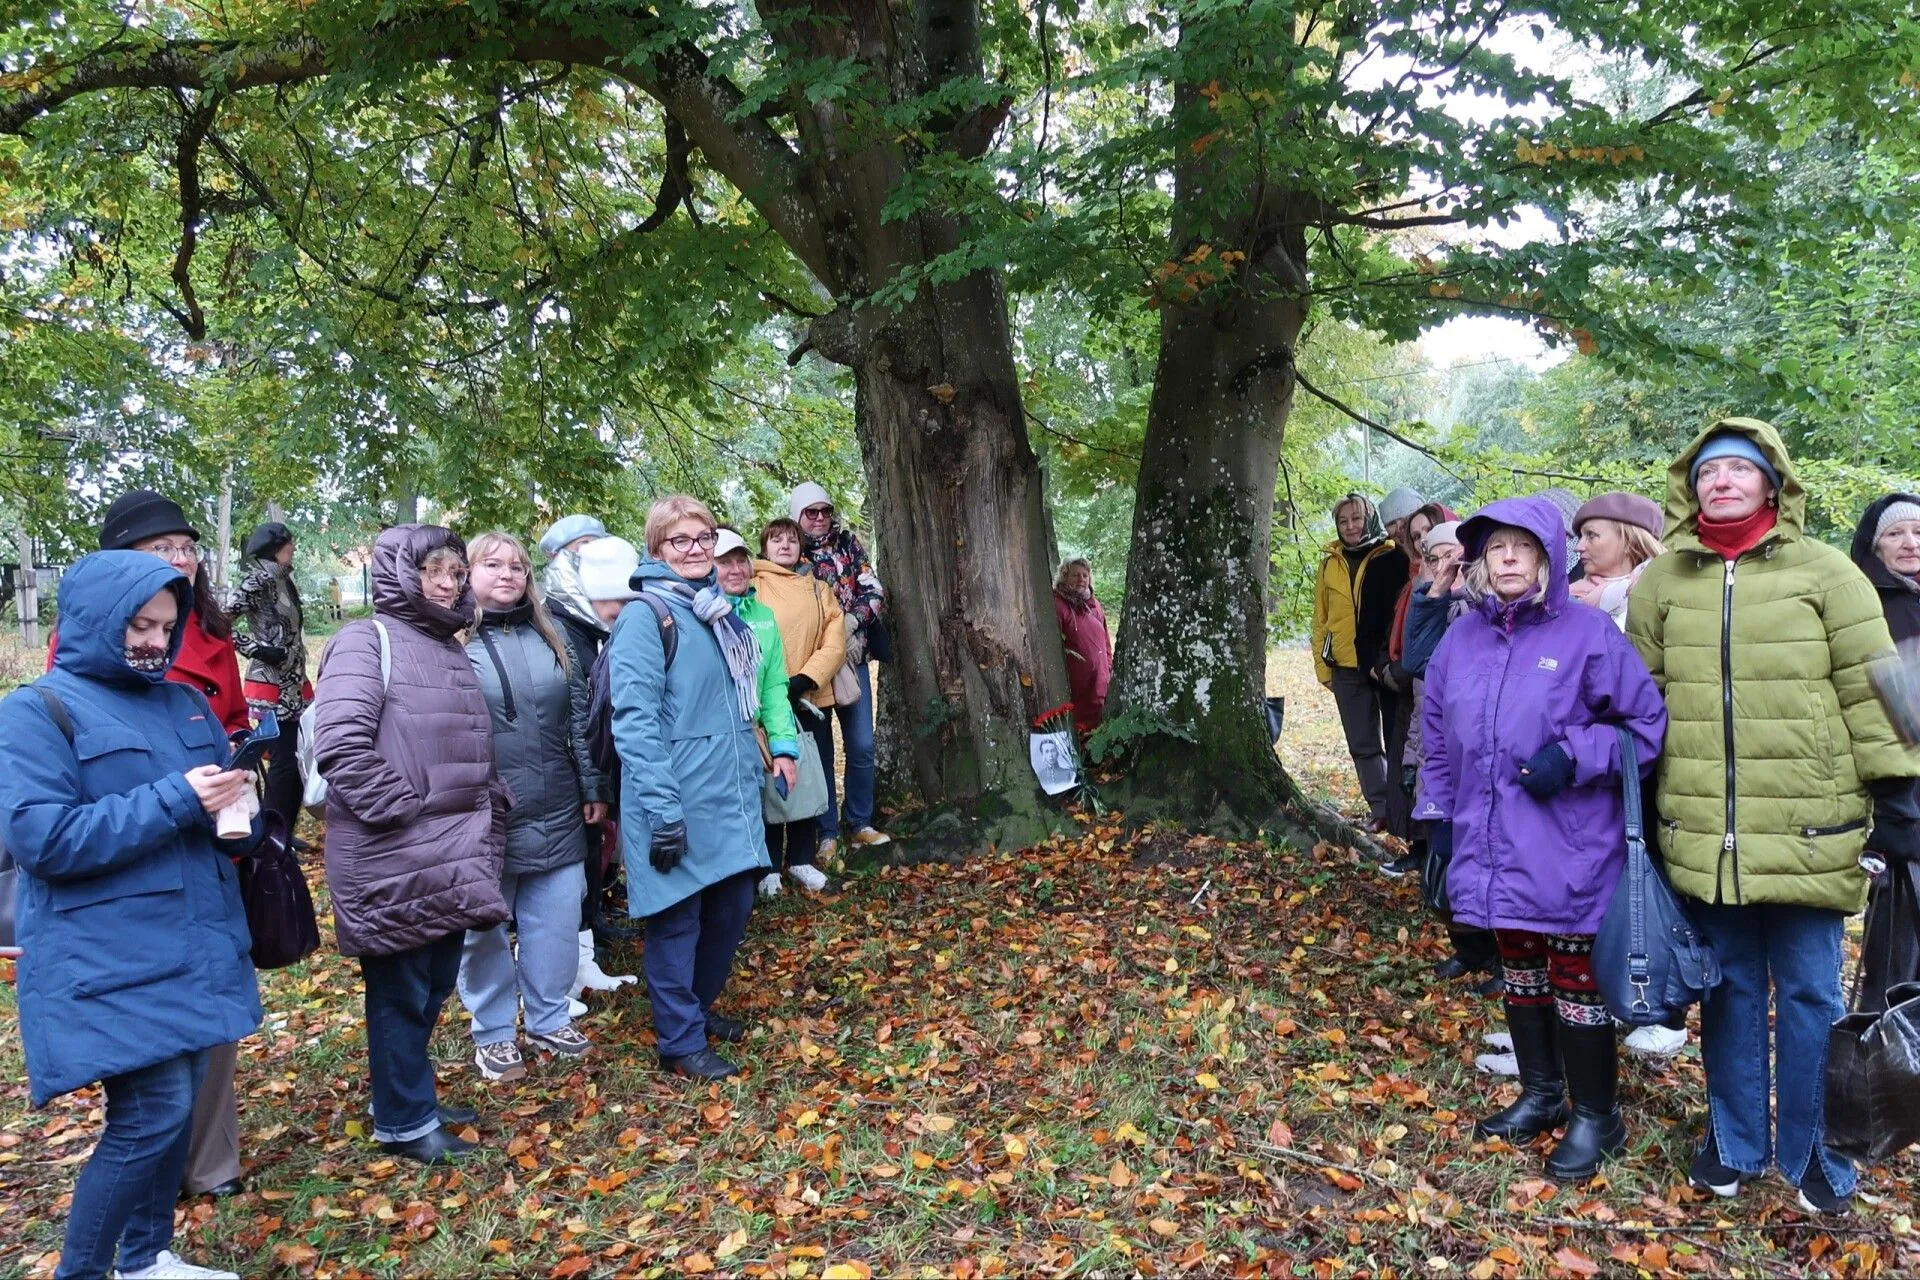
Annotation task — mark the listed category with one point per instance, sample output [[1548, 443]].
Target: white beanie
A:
[[570, 529], [606, 569], [807, 494], [1895, 512], [1444, 534], [1400, 504]]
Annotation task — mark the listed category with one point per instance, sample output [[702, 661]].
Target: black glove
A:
[[1409, 778], [1440, 840], [1896, 819], [1548, 773], [271, 654], [669, 846], [800, 686]]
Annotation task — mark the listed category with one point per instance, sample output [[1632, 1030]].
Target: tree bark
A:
[[1191, 659], [954, 488]]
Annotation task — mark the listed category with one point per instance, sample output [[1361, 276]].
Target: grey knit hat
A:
[[568, 529], [1893, 515]]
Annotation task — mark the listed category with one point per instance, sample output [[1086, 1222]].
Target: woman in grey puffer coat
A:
[[537, 696]]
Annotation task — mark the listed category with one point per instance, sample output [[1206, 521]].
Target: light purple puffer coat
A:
[[416, 813], [1503, 684]]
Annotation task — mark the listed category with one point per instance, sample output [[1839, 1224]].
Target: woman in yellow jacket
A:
[[1352, 616], [815, 639]]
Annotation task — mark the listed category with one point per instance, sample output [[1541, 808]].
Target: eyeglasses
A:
[[178, 552], [822, 512], [1733, 468], [505, 568], [458, 577], [685, 542]]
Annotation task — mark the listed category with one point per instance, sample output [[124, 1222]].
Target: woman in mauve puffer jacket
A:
[[416, 816]]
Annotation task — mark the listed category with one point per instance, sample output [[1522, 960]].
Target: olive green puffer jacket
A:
[[1794, 622]]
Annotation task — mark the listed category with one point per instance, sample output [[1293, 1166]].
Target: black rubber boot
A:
[[1596, 1132], [1543, 1098]]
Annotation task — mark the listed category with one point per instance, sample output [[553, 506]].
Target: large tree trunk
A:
[[954, 488], [1191, 662]]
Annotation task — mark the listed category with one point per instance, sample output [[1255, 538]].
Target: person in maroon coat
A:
[[416, 818], [1083, 630]]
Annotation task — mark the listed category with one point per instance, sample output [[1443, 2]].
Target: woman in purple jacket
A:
[[1523, 699]]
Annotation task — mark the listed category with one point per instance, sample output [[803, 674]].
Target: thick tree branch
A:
[[187, 164], [1300, 379], [739, 144]]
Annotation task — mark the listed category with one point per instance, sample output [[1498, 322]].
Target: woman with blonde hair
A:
[[1618, 533], [690, 774], [537, 700]]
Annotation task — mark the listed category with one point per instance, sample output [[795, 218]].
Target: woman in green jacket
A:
[[1777, 754]]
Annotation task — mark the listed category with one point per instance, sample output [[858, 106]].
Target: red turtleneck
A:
[[1732, 539]]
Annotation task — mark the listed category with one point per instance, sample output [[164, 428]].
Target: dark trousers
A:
[[124, 1197], [1397, 710], [1358, 699], [1475, 948], [689, 956], [405, 992], [792, 844], [285, 787]]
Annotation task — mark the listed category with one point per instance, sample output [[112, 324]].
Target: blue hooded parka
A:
[[134, 944], [685, 753]]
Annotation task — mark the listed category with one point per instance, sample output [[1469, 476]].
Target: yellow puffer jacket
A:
[[810, 628], [1773, 732], [1336, 607]]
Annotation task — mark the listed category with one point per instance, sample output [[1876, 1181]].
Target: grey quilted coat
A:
[[539, 739], [416, 813]]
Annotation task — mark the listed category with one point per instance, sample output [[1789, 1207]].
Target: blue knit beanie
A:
[[1730, 444]]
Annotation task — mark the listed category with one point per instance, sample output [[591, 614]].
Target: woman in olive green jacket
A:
[[1777, 754]]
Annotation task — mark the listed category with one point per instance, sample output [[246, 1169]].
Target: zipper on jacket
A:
[[1493, 786], [1814, 833], [1730, 848]]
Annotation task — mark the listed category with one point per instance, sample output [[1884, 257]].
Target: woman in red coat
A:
[[1083, 630], [143, 520]]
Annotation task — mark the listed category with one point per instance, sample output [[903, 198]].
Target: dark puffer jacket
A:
[[539, 739], [416, 814]]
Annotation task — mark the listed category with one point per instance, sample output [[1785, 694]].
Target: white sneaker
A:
[[826, 849], [589, 976], [1657, 1042], [868, 838], [770, 885], [1501, 1040], [1496, 1064], [810, 878], [576, 1008], [167, 1265]]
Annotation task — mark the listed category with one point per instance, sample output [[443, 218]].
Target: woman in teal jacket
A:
[[135, 957], [690, 811]]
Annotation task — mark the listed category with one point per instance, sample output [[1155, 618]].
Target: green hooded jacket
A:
[[1773, 732]]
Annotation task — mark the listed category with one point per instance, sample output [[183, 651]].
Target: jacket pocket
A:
[[157, 874], [1822, 739], [1814, 835], [121, 976]]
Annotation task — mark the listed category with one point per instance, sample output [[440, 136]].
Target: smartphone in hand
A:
[[253, 748]]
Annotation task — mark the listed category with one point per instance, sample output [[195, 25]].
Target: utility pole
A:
[[29, 593]]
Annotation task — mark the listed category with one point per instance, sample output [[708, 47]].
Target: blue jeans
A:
[[856, 729], [689, 956], [405, 992], [125, 1195], [1796, 950], [495, 981]]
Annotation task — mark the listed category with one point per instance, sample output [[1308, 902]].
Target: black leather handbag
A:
[[1650, 960]]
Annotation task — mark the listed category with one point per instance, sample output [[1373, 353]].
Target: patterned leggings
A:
[[1556, 968]]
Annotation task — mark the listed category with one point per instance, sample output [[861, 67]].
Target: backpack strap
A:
[[386, 654], [669, 631], [56, 711]]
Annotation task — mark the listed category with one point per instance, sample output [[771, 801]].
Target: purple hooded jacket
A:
[[1503, 684]]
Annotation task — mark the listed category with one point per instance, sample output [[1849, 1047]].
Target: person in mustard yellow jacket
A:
[[1353, 601]]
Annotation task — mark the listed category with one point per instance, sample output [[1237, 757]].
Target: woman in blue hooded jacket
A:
[[691, 834], [135, 958]]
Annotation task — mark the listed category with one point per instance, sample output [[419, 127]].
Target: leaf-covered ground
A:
[[1114, 1054]]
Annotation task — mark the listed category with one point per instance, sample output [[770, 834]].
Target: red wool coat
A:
[[1083, 630]]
